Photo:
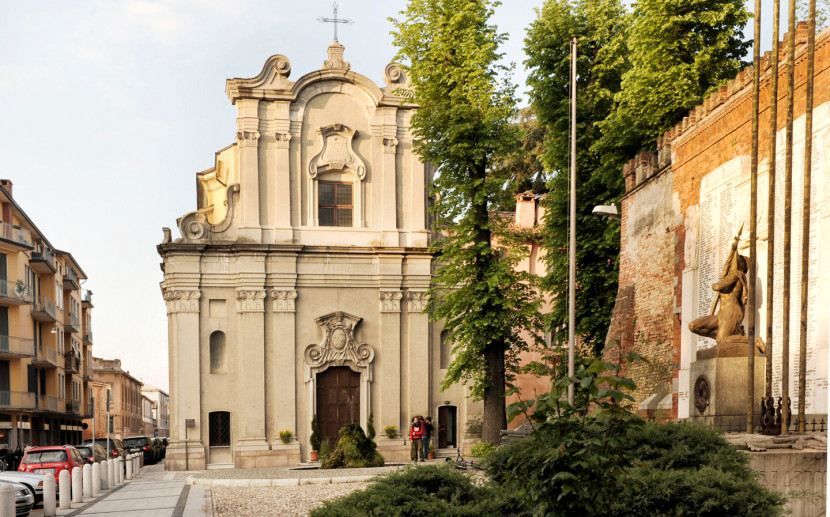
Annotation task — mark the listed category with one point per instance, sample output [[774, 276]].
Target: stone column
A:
[[389, 221], [247, 139], [185, 379], [250, 307], [281, 374], [419, 361], [390, 360], [280, 199]]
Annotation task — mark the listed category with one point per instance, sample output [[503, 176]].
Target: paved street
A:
[[154, 493]]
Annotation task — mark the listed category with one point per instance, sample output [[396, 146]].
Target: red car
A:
[[51, 460]]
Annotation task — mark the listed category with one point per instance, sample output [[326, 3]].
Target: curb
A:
[[279, 482]]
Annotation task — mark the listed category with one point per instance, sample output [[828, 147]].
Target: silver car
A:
[[24, 499], [33, 482]]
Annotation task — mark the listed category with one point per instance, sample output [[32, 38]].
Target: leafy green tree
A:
[[522, 166], [600, 26], [680, 51], [451, 53]]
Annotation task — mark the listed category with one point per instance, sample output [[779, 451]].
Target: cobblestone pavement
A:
[[283, 501]]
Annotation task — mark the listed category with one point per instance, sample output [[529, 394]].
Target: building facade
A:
[[681, 210], [126, 417], [148, 419], [298, 285], [45, 334], [161, 408]]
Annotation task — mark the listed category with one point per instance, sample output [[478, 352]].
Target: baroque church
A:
[[297, 287]]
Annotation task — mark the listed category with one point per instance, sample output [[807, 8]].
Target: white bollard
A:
[[77, 485], [64, 490], [49, 495], [87, 478], [96, 480], [104, 474], [117, 470], [129, 467], [111, 473], [137, 466], [7, 503], [121, 468]]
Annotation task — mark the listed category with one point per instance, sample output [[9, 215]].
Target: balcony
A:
[[15, 237], [73, 407], [48, 403], [72, 323], [17, 400], [43, 309], [16, 347], [15, 293], [70, 279], [43, 262], [87, 299], [87, 373], [88, 337], [86, 410], [72, 364], [47, 358]]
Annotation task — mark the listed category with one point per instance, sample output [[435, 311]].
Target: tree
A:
[[463, 121], [523, 164], [600, 26], [680, 51]]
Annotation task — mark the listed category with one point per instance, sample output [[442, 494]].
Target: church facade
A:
[[297, 287]]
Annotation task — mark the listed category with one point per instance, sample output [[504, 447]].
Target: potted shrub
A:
[[391, 431], [314, 439], [285, 436], [431, 454]]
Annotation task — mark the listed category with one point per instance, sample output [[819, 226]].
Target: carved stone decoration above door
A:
[[336, 152], [339, 346]]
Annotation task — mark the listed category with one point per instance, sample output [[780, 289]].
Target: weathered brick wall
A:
[[646, 314]]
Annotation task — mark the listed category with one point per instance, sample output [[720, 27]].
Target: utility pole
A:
[[753, 223], [572, 246]]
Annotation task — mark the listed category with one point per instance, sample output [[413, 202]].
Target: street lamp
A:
[[609, 211]]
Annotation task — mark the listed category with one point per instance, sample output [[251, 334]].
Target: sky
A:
[[109, 108]]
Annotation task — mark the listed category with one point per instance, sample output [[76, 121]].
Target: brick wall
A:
[[646, 314]]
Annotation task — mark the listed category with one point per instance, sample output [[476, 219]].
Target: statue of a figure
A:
[[732, 296]]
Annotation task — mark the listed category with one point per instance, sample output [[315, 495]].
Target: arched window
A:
[[217, 352], [219, 429]]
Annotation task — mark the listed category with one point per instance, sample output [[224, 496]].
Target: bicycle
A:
[[461, 464]]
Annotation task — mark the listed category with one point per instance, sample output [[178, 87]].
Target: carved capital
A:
[[247, 138], [182, 301], [390, 145], [417, 301], [250, 300], [282, 140], [390, 301], [284, 300]]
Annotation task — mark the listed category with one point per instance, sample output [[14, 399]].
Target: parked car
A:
[[92, 453], [24, 499], [115, 447], [145, 445], [33, 482], [51, 460]]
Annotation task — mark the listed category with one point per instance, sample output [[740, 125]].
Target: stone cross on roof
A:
[[334, 21]]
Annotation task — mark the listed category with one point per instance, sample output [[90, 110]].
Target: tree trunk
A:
[[495, 414]]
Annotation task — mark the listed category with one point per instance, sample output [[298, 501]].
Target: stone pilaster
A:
[[282, 195], [282, 403], [183, 329], [419, 360], [247, 139], [390, 359], [250, 307]]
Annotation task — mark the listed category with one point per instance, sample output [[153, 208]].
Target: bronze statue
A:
[[726, 325]]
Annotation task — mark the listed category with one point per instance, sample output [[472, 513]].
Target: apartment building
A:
[[161, 408], [147, 416], [126, 412], [45, 334]]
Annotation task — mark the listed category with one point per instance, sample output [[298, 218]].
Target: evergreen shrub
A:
[[353, 450]]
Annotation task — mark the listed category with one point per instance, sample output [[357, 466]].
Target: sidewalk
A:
[[154, 493]]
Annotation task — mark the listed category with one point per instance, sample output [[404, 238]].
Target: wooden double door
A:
[[338, 401]]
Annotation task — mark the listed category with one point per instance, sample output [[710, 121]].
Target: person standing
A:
[[428, 428], [416, 434]]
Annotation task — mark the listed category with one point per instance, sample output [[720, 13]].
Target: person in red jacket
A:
[[416, 434]]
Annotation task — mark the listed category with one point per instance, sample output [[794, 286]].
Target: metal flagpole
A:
[[572, 246], [788, 202], [753, 223], [805, 221]]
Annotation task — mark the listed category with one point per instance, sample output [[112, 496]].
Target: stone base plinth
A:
[[718, 388], [179, 457], [279, 455], [393, 450]]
